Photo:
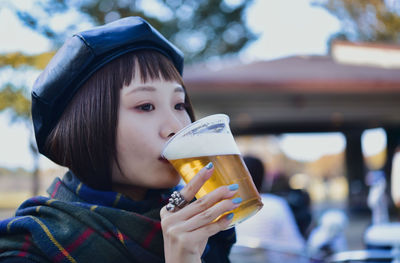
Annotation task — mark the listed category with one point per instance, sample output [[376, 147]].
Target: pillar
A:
[[355, 172]]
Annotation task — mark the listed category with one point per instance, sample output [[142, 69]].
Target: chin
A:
[[174, 181]]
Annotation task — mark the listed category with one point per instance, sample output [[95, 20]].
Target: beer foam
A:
[[207, 144]]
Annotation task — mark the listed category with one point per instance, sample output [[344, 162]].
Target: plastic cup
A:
[[210, 140]]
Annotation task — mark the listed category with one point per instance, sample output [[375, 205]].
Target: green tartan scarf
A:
[[80, 224]]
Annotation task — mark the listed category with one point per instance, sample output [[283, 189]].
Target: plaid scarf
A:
[[80, 224]]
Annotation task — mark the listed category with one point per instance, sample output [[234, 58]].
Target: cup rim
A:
[[189, 126]]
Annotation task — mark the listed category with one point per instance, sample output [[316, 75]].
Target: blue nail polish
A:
[[233, 187], [209, 166], [237, 200], [229, 216]]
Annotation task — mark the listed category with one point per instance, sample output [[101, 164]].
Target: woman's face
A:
[[149, 114]]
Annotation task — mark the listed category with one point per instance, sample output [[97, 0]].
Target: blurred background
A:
[[312, 88]]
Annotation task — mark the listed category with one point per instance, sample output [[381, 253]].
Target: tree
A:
[[202, 29], [366, 21], [14, 99], [17, 100]]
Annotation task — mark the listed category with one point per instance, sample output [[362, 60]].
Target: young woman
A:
[[104, 107]]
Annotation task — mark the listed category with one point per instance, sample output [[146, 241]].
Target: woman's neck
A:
[[134, 192]]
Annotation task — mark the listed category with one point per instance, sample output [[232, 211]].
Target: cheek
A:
[[135, 139], [186, 119], [130, 140], [129, 130]]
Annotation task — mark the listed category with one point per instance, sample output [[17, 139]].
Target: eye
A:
[[180, 106], [145, 107]]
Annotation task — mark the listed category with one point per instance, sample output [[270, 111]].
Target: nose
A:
[[170, 126]]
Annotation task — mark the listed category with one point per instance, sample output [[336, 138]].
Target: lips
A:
[[161, 159]]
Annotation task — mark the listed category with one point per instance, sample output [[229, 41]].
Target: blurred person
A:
[[329, 236], [299, 202], [273, 227], [377, 199], [104, 107], [280, 184], [380, 228]]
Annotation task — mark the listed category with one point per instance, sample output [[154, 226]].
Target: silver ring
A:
[[176, 201]]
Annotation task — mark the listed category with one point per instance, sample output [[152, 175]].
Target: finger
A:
[[163, 212], [215, 227], [209, 200], [194, 185], [208, 216]]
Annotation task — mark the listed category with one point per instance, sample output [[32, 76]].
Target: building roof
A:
[[297, 94], [295, 74]]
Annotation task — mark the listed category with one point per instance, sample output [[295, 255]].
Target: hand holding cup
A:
[[186, 229]]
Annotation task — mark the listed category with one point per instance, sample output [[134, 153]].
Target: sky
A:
[[285, 28], [289, 27]]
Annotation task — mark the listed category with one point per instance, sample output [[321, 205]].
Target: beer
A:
[[228, 169], [210, 140]]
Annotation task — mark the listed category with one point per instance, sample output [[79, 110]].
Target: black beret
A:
[[82, 55]]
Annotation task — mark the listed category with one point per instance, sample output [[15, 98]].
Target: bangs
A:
[[150, 65]]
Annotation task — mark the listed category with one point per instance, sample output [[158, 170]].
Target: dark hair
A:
[[256, 169], [84, 139]]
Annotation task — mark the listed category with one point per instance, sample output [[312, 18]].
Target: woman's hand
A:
[[186, 231]]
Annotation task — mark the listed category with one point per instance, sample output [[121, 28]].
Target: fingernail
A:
[[229, 216], [237, 200], [209, 166], [233, 187]]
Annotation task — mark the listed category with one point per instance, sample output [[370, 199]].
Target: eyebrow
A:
[[178, 88]]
